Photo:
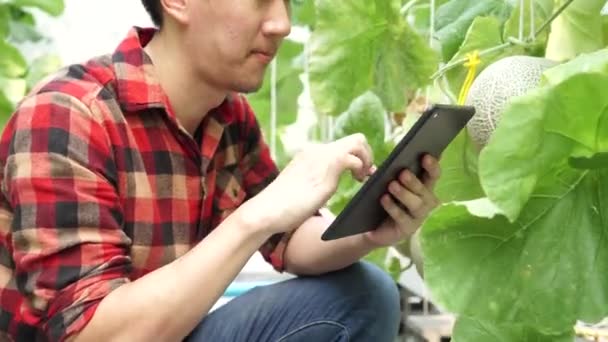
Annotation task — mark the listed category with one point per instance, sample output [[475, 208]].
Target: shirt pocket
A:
[[230, 192]]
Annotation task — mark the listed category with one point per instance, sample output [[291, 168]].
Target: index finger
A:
[[357, 144]]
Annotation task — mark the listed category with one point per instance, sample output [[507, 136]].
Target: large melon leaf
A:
[[456, 16], [605, 23], [587, 62], [544, 128], [577, 30], [536, 252], [459, 179], [12, 62], [52, 7], [303, 12], [5, 19], [361, 45], [6, 108], [365, 115], [473, 330]]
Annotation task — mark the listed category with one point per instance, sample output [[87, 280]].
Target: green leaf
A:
[[484, 33], [282, 158], [394, 268], [542, 11], [21, 15], [361, 45], [347, 188], [597, 161], [577, 30], [5, 18], [22, 32], [288, 86], [473, 330], [41, 67], [605, 24], [456, 16], [12, 63], [547, 269], [419, 17], [543, 264], [377, 256], [365, 115], [52, 7], [543, 129], [303, 12], [380, 154], [6, 108], [13, 88], [587, 62], [459, 179]]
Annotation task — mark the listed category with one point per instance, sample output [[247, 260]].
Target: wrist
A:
[[253, 219], [367, 241]]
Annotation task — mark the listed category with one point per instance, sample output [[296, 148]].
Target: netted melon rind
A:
[[507, 78]]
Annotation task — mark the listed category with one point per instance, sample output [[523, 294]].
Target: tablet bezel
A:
[[343, 226]]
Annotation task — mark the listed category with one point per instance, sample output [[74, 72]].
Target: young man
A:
[[137, 185]]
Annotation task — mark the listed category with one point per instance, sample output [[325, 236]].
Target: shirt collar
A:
[[136, 82], [137, 85]]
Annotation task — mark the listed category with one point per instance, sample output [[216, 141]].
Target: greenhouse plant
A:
[[517, 250]]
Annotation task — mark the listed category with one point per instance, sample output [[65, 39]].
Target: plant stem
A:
[[510, 41], [550, 20], [442, 84], [456, 63]]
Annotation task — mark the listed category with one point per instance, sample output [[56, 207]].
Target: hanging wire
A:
[[273, 109], [522, 11], [431, 35], [532, 22], [553, 16], [425, 294]]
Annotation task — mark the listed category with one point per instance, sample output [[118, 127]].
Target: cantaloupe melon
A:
[[502, 80], [489, 93]]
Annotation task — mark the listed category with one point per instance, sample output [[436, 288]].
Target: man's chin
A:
[[248, 88]]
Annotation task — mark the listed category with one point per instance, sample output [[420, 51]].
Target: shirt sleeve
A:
[[259, 170], [68, 244]]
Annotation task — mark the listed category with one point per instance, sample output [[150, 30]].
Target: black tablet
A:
[[431, 134]]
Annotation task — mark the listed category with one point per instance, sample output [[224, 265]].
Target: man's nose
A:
[[278, 22]]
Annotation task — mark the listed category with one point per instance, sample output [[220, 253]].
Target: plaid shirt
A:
[[101, 185]]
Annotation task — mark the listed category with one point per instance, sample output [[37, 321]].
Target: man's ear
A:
[[176, 9]]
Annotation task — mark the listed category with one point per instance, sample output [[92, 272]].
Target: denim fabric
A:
[[359, 303]]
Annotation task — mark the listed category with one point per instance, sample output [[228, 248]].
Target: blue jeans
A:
[[359, 303]]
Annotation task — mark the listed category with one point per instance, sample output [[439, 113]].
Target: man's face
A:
[[231, 42]]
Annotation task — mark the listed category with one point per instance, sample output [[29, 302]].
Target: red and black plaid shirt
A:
[[101, 185]]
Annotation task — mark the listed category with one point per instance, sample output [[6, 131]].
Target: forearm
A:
[[165, 305], [307, 254]]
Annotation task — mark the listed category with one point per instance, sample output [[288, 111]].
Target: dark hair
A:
[[154, 9]]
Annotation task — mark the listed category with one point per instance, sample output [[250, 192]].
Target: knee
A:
[[383, 293]]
